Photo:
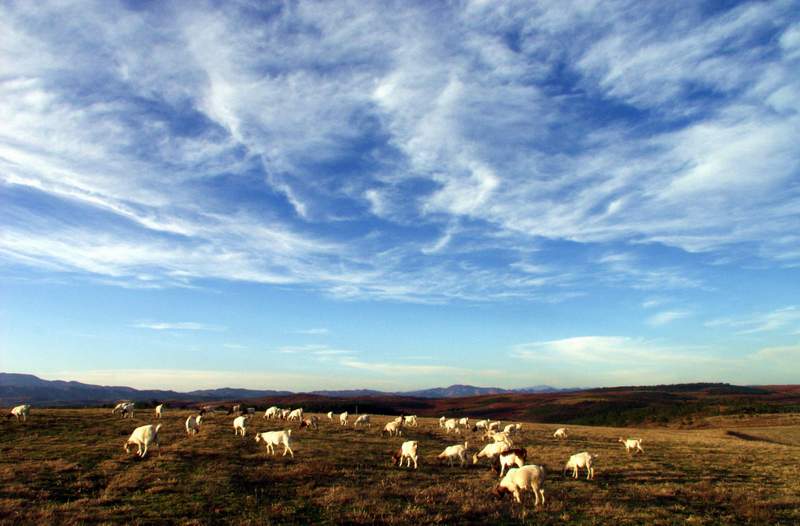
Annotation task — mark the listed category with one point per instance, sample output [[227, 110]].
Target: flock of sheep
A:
[[516, 476]]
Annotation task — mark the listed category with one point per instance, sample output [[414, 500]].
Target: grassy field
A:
[[68, 466]]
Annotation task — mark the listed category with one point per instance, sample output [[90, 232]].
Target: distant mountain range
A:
[[15, 388]]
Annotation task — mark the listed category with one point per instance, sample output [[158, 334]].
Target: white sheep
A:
[[275, 438], [581, 460], [330, 416], [343, 419], [458, 451], [159, 410], [240, 424], [297, 414], [20, 412], [393, 429], [362, 420], [442, 420], [193, 424], [451, 424], [407, 451], [143, 436], [410, 420], [490, 451], [517, 480], [272, 412], [560, 433], [632, 444]]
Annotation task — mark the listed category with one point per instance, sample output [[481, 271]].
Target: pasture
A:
[[67, 466]]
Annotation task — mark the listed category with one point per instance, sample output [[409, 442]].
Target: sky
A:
[[399, 195]]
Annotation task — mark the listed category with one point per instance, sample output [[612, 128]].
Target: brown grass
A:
[[68, 467]]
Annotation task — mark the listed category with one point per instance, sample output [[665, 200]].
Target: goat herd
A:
[[516, 476]]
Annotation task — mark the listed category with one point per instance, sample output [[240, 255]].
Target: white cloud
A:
[[783, 319], [665, 317], [317, 331], [177, 326]]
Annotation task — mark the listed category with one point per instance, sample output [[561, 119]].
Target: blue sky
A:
[[300, 195]]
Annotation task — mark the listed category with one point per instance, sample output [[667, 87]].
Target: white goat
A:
[[330, 416], [560, 433], [297, 414], [343, 419], [493, 426], [451, 424], [442, 421], [311, 422], [124, 408], [481, 424], [632, 444], [159, 410], [362, 420], [393, 429], [276, 438], [511, 458], [490, 451], [517, 480], [272, 412], [407, 451], [20, 412], [284, 414], [143, 436], [464, 422], [458, 451], [499, 437], [193, 424], [240, 424], [410, 420], [581, 460], [512, 428]]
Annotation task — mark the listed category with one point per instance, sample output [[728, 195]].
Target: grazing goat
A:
[[124, 408], [20, 412], [407, 451], [511, 428], [362, 420], [240, 424], [499, 437], [581, 460], [490, 451], [311, 422], [464, 422], [442, 420], [393, 429], [143, 436], [451, 424], [330, 416], [276, 438], [193, 424], [159, 410], [235, 408], [481, 424], [458, 451], [343, 419], [272, 412], [508, 459], [517, 480], [284, 414], [493, 426], [560, 433], [632, 444], [297, 414], [410, 420]]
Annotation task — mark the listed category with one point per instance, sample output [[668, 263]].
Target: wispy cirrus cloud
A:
[[177, 326], [666, 317], [783, 319], [447, 140]]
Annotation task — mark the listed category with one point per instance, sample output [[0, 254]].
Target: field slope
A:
[[68, 467]]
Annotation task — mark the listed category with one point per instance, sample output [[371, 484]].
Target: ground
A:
[[67, 466]]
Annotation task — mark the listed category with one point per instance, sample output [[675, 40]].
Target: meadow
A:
[[67, 466]]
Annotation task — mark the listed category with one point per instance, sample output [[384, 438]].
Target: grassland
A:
[[67, 466]]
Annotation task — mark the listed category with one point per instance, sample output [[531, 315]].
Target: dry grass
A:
[[68, 467]]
